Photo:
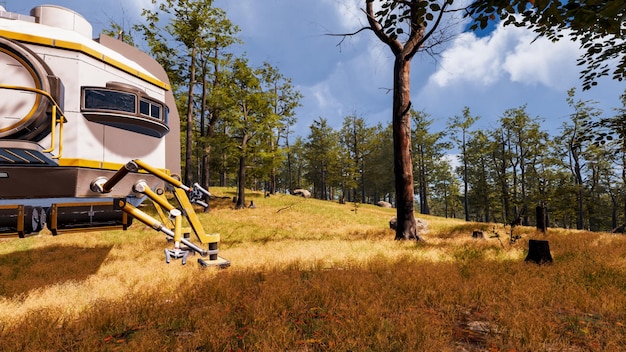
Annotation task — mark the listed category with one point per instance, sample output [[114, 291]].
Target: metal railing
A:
[[57, 116]]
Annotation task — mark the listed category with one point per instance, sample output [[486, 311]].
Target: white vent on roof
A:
[[61, 17]]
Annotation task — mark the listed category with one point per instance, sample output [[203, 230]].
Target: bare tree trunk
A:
[[241, 184], [403, 164], [189, 131], [579, 193], [241, 175], [206, 175], [624, 179], [465, 180], [204, 133]]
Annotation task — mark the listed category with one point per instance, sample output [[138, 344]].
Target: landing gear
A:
[[171, 223]]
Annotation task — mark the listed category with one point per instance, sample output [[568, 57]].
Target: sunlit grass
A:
[[310, 275]]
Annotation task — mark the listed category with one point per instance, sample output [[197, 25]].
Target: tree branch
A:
[[443, 8], [394, 44], [344, 35]]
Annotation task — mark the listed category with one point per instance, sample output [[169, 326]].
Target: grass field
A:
[[310, 275]]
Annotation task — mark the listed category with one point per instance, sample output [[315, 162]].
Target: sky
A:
[[489, 72]]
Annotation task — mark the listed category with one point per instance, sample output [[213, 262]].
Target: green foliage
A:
[[322, 157], [357, 143], [228, 101], [116, 31], [194, 34], [463, 125], [379, 163], [398, 18], [429, 149], [241, 113]]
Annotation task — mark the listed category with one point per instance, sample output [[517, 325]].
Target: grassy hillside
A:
[[310, 275]]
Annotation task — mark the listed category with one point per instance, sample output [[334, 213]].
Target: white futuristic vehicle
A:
[[88, 131]]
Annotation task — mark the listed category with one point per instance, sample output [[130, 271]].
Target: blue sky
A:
[[489, 73]]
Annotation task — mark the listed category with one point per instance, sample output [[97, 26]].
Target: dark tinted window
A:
[[155, 111], [144, 107], [109, 100]]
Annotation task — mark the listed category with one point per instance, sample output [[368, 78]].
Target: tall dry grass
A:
[[309, 275]]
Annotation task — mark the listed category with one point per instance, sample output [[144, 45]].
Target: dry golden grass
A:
[[309, 275]]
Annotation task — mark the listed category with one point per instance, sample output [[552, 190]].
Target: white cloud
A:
[[348, 13], [508, 53], [321, 95], [542, 62], [469, 59]]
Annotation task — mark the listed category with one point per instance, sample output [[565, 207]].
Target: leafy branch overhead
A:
[[409, 22]]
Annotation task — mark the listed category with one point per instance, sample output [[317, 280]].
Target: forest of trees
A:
[[490, 175], [487, 175], [237, 115]]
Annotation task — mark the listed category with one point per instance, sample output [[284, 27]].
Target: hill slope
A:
[[311, 275]]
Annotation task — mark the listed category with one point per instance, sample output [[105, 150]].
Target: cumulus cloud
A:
[[469, 59], [508, 53], [542, 62]]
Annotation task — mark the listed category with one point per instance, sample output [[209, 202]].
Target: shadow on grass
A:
[[23, 271]]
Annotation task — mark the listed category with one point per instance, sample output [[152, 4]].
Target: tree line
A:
[[487, 175], [236, 131]]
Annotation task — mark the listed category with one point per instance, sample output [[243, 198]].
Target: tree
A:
[[597, 25], [284, 99], [419, 19], [117, 31], [176, 48], [499, 148], [618, 127], [380, 183], [613, 132], [600, 164], [445, 194], [429, 150], [356, 139], [214, 61], [321, 155], [558, 189], [463, 124], [294, 164], [250, 120], [577, 137], [481, 183], [524, 145]]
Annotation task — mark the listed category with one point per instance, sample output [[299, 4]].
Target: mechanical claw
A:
[[176, 253]]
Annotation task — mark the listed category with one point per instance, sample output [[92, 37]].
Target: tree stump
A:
[[478, 234], [539, 252]]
